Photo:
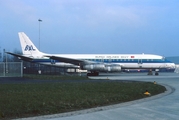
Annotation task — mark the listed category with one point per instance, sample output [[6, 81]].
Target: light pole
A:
[[0, 55], [39, 71], [39, 31]]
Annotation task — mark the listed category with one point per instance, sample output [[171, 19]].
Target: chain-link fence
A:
[[11, 69]]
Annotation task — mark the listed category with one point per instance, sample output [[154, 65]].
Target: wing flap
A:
[[66, 60]]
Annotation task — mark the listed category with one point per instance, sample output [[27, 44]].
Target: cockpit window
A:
[[163, 58]]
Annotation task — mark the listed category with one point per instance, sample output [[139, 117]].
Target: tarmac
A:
[[164, 106]]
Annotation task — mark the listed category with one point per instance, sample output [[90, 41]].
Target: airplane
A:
[[93, 63]]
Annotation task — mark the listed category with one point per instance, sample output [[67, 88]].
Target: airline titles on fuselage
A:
[[113, 57]]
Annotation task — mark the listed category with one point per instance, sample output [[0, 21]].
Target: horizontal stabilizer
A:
[[20, 56]]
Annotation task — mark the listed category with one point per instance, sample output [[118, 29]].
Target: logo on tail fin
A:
[[29, 48]]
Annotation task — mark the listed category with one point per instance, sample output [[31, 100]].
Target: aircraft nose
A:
[[171, 65], [174, 66]]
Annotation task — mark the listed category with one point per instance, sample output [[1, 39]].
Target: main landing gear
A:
[[93, 74], [151, 73]]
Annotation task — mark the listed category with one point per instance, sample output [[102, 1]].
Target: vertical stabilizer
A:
[[28, 48]]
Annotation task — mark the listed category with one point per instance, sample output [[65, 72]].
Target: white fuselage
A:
[[126, 61]]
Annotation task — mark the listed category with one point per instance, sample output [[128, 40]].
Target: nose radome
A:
[[172, 65]]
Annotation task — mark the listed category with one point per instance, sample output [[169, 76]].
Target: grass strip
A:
[[55, 77], [24, 100]]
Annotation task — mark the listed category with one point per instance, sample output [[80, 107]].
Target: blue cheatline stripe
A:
[[112, 60]]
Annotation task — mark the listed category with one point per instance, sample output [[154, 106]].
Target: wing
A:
[[20, 56], [67, 60]]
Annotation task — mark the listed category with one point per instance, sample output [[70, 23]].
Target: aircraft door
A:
[[53, 61], [140, 62], [102, 60]]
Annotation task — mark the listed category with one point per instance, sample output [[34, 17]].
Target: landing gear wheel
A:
[[156, 73], [150, 72], [93, 74]]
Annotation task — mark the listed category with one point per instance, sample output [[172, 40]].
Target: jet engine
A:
[[112, 68], [94, 67], [102, 67]]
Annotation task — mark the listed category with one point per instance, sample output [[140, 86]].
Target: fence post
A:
[[21, 69], [4, 71]]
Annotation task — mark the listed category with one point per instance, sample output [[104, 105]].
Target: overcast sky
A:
[[92, 26]]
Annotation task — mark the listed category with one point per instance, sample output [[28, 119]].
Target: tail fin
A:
[[28, 48]]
